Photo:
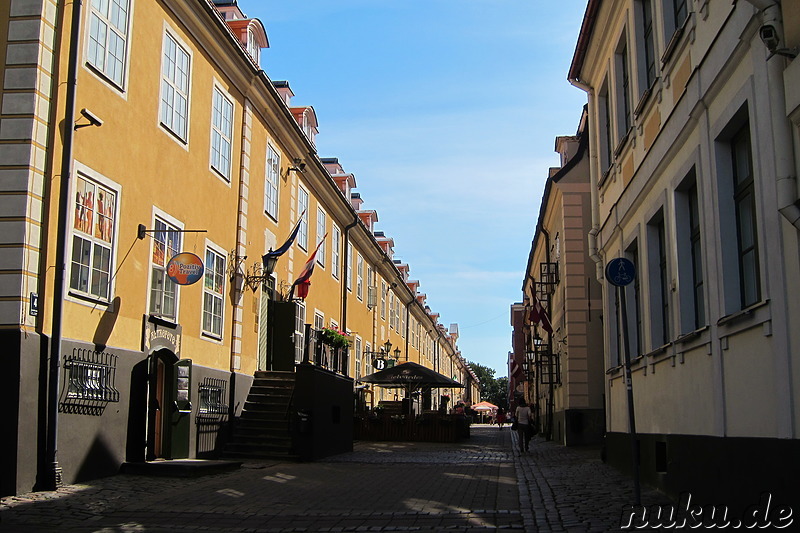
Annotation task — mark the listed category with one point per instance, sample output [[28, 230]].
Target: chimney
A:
[[284, 90]]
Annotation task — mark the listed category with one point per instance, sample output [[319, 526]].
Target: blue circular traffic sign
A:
[[620, 271]]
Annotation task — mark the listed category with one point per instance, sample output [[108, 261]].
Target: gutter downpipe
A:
[[51, 478], [594, 253], [786, 181]]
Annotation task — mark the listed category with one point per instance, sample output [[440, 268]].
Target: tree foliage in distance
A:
[[492, 390]]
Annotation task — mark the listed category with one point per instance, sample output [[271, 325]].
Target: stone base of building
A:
[[576, 427], [721, 471], [97, 433]]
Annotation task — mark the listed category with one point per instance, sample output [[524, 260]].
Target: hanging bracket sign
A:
[[185, 268]]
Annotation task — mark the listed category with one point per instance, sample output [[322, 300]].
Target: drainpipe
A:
[[594, 254], [51, 478], [786, 181]]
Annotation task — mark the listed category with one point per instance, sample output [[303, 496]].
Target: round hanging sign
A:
[[185, 268], [620, 271]]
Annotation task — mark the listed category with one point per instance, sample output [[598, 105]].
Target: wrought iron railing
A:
[[317, 352], [91, 376]]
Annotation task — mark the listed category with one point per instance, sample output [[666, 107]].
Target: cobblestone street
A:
[[478, 484]]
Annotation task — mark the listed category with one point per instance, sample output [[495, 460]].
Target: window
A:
[[349, 267], [322, 223], [212, 395], [659, 281], [645, 40], [606, 154], [623, 90], [271, 183], [697, 256], [93, 230], [299, 331], [108, 38], [746, 222], [319, 320], [383, 300], [90, 376], [221, 134], [633, 303], [213, 287], [302, 208], [679, 12], [336, 243], [175, 88], [358, 356], [252, 47], [690, 255], [360, 277], [163, 291]]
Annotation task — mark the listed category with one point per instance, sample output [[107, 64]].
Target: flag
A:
[[302, 282], [282, 250], [539, 315]]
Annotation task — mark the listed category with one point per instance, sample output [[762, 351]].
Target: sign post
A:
[[620, 272]]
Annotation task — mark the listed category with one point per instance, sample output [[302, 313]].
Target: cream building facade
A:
[[561, 374], [693, 120]]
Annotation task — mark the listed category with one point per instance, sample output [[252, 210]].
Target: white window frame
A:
[[159, 271], [171, 117], [336, 244], [322, 223], [105, 22], [215, 293], [349, 267], [302, 209], [221, 149], [360, 277], [272, 181], [98, 183]]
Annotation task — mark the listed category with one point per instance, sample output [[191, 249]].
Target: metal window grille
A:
[[549, 273], [212, 394], [91, 376]]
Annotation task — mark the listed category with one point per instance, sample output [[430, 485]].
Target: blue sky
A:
[[446, 111]]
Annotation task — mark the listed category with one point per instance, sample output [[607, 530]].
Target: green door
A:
[[181, 409]]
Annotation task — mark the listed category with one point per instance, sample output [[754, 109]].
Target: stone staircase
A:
[[262, 431]]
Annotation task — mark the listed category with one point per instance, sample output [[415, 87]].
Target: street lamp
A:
[[387, 347]]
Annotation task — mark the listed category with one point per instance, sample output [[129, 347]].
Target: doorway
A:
[[160, 409]]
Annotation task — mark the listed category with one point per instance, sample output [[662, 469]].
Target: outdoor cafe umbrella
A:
[[484, 406], [410, 376]]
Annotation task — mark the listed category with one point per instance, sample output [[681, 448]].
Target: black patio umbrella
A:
[[410, 376]]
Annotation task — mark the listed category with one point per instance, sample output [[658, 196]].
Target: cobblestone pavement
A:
[[479, 484]]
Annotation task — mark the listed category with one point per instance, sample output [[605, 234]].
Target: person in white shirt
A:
[[523, 416]]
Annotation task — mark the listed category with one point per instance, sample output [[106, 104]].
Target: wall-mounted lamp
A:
[[299, 166], [259, 274], [93, 119]]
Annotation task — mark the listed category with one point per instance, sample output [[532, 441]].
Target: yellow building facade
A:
[[140, 141]]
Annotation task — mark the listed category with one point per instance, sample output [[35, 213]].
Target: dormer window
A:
[[253, 48]]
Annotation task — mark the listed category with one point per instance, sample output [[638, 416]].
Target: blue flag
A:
[[282, 250]]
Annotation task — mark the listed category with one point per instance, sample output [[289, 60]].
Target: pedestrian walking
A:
[[523, 417], [501, 417]]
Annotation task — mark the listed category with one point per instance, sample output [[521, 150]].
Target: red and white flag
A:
[[303, 281], [539, 315]]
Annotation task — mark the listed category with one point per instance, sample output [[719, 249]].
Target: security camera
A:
[[769, 36], [93, 119]]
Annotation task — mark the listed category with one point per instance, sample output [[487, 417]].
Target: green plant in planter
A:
[[335, 338]]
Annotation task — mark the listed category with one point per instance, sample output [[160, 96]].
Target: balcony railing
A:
[[321, 354]]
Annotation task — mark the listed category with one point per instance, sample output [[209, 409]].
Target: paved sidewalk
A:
[[479, 484]]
